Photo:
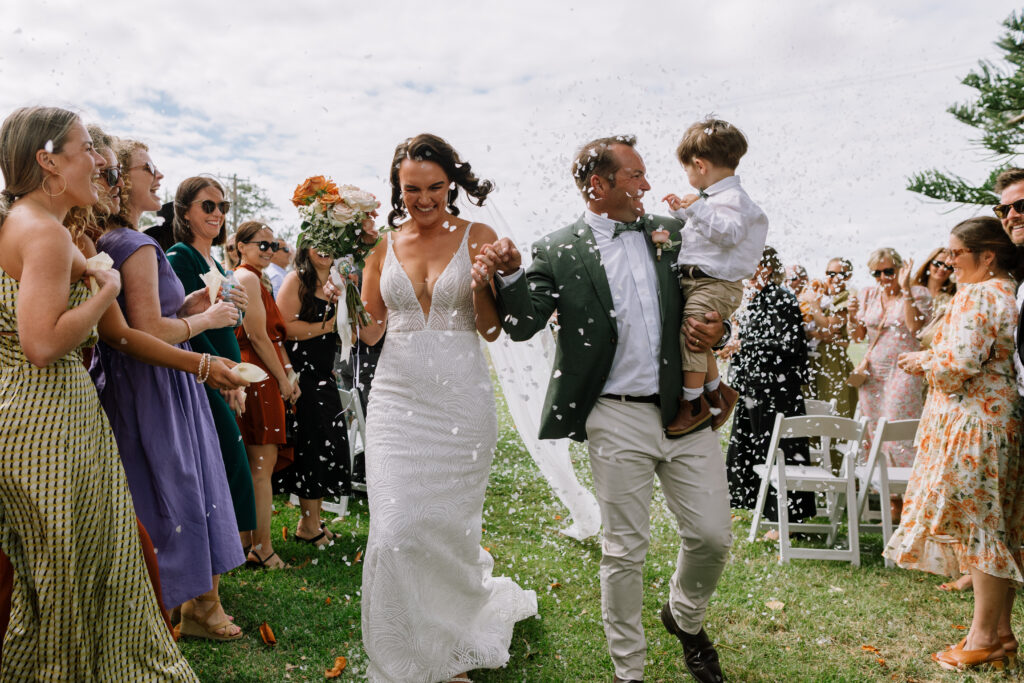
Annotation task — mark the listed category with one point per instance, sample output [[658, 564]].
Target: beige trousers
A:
[[628, 449], [706, 295]]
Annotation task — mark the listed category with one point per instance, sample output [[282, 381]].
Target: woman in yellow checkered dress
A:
[[82, 606]]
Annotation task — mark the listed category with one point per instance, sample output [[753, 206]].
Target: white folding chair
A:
[[812, 478], [877, 477], [815, 407], [351, 404]]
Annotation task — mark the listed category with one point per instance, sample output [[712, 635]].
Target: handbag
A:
[[860, 373]]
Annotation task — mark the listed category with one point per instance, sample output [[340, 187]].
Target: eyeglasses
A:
[[842, 274], [208, 205], [941, 264], [1003, 210], [888, 272], [956, 253], [111, 175], [149, 166], [264, 245]]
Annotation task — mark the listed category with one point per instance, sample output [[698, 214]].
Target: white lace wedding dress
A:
[[430, 607]]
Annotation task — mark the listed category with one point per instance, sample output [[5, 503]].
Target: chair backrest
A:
[[816, 407], [841, 428], [897, 430]]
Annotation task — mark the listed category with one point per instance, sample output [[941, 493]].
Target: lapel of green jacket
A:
[[590, 256]]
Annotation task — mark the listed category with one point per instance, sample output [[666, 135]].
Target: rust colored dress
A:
[[263, 421]]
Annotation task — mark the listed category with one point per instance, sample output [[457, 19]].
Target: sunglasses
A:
[[208, 205], [888, 272], [1003, 210], [111, 175], [941, 264], [264, 245], [149, 166], [841, 274], [956, 253]]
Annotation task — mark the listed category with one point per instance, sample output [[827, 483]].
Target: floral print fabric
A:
[[890, 392], [964, 505]]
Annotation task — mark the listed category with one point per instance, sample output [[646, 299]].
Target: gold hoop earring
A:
[[47, 192]]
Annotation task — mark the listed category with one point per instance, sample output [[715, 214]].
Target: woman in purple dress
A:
[[162, 421]]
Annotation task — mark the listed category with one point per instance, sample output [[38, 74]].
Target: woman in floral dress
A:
[[964, 508]]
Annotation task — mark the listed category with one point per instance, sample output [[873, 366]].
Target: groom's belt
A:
[[653, 398], [692, 272]]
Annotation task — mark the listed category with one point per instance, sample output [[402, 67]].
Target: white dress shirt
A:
[[634, 285], [275, 274], [724, 233]]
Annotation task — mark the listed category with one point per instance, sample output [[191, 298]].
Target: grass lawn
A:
[[836, 622]]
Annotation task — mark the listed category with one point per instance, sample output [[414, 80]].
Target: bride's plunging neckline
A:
[[430, 306]]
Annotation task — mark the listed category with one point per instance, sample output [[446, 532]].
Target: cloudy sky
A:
[[841, 101]]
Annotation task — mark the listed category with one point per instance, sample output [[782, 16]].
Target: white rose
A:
[[359, 200], [342, 213]]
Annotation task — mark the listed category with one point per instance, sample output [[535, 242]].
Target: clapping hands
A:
[[501, 257]]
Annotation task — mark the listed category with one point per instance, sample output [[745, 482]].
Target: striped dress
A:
[[82, 607]]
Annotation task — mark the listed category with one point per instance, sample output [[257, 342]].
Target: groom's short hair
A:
[[596, 157]]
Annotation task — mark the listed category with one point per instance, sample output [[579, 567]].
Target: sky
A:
[[840, 101]]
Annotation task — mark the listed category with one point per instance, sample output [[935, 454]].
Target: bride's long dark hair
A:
[[427, 147], [308, 284]]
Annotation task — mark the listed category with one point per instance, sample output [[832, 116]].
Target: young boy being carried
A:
[[722, 242]]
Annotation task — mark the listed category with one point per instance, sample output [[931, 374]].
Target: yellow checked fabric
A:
[[83, 608]]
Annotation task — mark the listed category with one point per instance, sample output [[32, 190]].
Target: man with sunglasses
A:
[[1010, 210], [279, 264]]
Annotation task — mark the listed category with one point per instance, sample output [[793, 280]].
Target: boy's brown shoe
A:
[[691, 415], [722, 401]]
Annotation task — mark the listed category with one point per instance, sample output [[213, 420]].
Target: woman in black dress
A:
[[770, 366], [321, 467]]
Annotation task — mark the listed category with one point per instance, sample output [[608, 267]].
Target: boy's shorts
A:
[[706, 295]]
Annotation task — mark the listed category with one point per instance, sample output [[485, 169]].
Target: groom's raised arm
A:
[[527, 300]]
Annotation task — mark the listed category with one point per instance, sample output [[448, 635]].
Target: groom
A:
[[616, 381]]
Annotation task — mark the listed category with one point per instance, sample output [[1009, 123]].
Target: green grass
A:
[[831, 610]]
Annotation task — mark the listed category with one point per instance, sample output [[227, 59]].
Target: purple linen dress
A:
[[165, 432]]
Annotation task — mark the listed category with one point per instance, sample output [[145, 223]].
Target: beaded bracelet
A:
[[202, 376]]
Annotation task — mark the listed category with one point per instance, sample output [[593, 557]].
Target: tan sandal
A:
[[195, 628]]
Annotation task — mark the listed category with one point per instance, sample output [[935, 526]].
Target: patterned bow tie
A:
[[703, 194], [639, 225]]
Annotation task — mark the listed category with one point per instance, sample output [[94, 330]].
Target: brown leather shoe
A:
[[722, 400], [691, 415], [958, 659], [626, 680]]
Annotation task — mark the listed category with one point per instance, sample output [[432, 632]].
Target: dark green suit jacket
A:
[[566, 276]]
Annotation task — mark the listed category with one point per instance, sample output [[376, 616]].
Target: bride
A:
[[431, 610]]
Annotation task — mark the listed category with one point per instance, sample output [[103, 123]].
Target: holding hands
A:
[[501, 257]]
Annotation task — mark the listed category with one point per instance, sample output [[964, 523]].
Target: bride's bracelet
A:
[[205, 363]]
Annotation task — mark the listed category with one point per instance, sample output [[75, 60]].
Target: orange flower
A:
[[329, 195], [307, 191], [339, 666], [267, 634]]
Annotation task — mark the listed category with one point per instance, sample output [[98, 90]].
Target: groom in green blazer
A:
[[616, 381]]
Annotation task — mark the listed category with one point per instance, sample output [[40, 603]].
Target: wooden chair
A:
[[813, 478], [877, 477]]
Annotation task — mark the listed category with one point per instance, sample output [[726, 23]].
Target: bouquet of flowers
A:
[[332, 223]]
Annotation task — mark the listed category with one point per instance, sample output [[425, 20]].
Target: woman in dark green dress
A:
[[199, 210]]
